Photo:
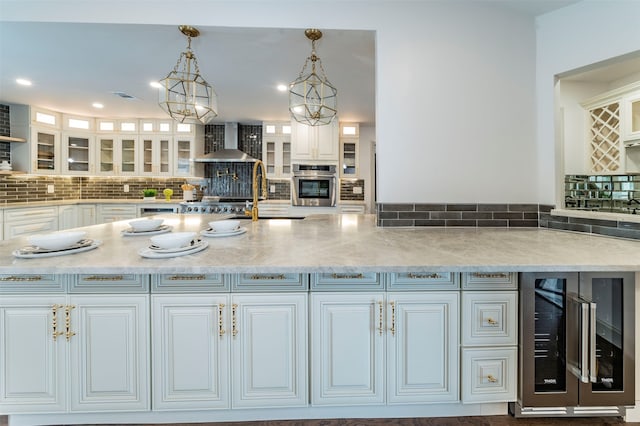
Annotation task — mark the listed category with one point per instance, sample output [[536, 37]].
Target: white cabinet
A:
[[184, 147], [276, 149], [252, 345], [45, 151], [117, 155], [78, 153], [191, 351], [28, 221], [67, 217], [86, 214], [114, 212], [314, 143], [156, 155], [352, 332], [349, 156], [347, 343], [74, 353], [422, 347]]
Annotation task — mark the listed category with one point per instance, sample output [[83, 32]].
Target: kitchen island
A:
[[329, 316]]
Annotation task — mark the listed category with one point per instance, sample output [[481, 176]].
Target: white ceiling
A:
[[73, 65]]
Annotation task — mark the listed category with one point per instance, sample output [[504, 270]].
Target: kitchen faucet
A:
[[254, 208]]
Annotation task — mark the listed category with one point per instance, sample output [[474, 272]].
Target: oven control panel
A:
[[213, 208]]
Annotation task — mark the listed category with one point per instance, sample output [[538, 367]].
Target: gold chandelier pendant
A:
[[312, 98], [185, 95]]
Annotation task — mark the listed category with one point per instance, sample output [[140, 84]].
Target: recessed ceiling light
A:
[[282, 87], [23, 82], [97, 105], [155, 85]]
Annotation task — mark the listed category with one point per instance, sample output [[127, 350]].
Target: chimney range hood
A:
[[230, 153]]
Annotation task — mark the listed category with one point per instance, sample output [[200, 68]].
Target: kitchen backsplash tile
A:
[[5, 130], [612, 228], [347, 190], [462, 214]]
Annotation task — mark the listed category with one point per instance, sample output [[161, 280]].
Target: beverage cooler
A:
[[576, 344]]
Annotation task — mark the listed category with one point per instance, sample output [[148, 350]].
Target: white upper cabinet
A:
[[315, 143], [45, 151], [183, 154], [156, 155], [349, 158], [276, 149], [117, 155]]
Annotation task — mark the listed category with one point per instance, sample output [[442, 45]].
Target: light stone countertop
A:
[[340, 243]]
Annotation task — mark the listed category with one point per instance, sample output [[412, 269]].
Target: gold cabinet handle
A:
[[67, 321], [380, 313], [104, 278], [486, 275], [234, 321], [491, 321], [54, 321], [20, 278], [413, 276], [347, 276], [393, 318], [491, 379], [268, 277], [220, 323], [187, 278]]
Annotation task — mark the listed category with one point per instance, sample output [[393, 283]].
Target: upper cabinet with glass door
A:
[[276, 149], [155, 144], [78, 145], [349, 140], [45, 141], [184, 148]]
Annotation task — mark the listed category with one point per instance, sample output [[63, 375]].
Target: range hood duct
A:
[[230, 152]]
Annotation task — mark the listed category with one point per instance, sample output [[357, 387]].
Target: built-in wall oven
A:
[[577, 344], [313, 185]]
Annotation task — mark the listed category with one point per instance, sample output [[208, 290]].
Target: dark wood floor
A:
[[433, 421]]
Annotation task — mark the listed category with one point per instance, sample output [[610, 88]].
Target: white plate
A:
[[160, 230], [191, 245], [209, 233], [153, 254], [31, 253]]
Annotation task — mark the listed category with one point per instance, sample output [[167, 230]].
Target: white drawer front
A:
[[489, 375], [30, 214], [489, 318], [490, 281]]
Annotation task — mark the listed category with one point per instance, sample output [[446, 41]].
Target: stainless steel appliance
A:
[[313, 185], [236, 207], [577, 344], [149, 210]]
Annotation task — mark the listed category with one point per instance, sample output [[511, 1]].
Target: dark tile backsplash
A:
[[612, 228], [347, 187], [460, 214], [5, 130]]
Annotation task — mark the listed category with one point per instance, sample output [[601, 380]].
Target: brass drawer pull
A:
[[54, 321], [220, 324], [487, 275], [491, 379], [413, 276], [187, 278], [380, 314], [393, 318], [491, 321], [67, 321], [268, 277], [347, 276], [104, 278], [234, 320], [19, 278]]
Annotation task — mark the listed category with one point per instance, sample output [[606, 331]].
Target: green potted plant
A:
[[149, 194]]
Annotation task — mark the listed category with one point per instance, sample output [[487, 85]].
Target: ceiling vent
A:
[[124, 95]]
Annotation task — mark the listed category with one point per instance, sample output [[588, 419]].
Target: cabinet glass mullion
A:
[[46, 151]]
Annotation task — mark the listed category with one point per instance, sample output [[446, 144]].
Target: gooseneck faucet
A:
[[254, 208]]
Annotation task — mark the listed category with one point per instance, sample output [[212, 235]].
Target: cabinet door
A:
[[77, 155], [127, 147], [422, 347], [183, 154], [190, 352], [326, 142], [32, 354], [107, 155], [301, 136], [347, 343], [155, 155], [86, 214], [45, 149], [109, 350], [67, 217], [269, 350]]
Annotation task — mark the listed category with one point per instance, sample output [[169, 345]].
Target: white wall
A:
[[455, 82], [570, 38]]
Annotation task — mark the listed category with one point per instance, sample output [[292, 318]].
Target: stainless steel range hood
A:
[[230, 153]]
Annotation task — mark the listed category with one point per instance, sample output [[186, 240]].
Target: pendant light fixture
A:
[[185, 95], [312, 98]]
